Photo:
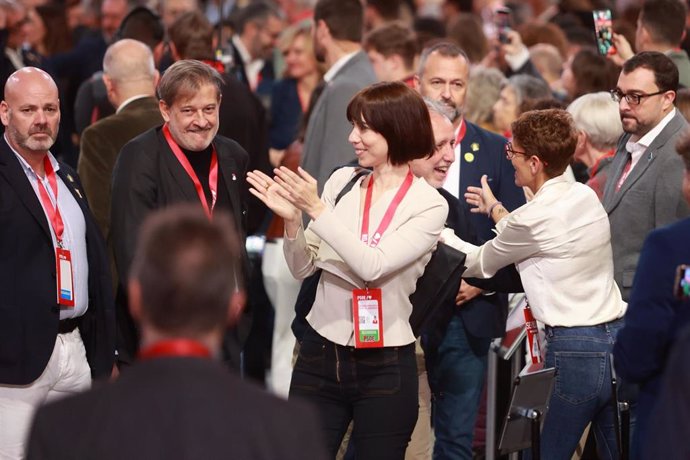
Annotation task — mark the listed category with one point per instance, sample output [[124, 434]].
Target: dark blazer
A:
[[266, 75], [100, 145], [668, 426], [28, 307], [650, 197], [286, 114], [483, 152], [176, 408], [654, 317], [147, 176]]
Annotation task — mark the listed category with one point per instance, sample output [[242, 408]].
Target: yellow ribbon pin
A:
[[474, 146]]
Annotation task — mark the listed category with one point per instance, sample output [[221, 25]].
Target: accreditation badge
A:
[[367, 316], [65, 281]]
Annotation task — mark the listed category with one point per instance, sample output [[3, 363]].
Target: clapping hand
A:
[[300, 190], [273, 196]]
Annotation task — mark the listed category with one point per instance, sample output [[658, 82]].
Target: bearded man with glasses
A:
[[643, 192], [644, 189]]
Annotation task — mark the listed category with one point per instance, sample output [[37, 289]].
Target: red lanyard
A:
[[212, 174], [385, 222], [461, 133], [52, 211], [175, 347]]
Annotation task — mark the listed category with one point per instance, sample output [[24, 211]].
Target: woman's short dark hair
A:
[[399, 114], [549, 135]]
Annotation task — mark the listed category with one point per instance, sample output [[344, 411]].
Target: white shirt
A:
[[561, 244], [636, 149], [74, 236], [252, 67], [335, 68]]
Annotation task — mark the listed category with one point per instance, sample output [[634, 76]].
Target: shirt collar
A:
[[339, 64], [645, 141], [241, 49], [553, 181], [128, 100]]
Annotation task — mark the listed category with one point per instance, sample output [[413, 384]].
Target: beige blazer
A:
[[332, 243]]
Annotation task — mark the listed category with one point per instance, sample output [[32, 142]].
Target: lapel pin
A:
[[474, 146], [469, 157], [78, 193], [69, 178], [234, 177]]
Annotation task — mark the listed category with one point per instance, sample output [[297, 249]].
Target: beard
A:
[[32, 143]]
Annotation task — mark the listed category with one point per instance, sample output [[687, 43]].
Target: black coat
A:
[[147, 176], [176, 408], [28, 305]]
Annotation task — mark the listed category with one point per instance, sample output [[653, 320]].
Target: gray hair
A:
[[483, 90], [527, 87], [597, 115], [438, 108]]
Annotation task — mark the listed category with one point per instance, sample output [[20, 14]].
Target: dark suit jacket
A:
[[176, 408], [266, 75], [28, 306], [650, 197], [654, 315], [668, 426], [483, 152], [100, 145], [147, 176]]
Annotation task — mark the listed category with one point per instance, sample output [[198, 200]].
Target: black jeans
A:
[[377, 388]]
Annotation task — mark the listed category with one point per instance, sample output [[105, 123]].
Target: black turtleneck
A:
[[201, 164]]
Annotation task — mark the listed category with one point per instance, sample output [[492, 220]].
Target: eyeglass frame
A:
[[618, 95], [511, 152]]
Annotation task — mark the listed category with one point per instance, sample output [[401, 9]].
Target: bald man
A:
[[130, 79], [56, 311]]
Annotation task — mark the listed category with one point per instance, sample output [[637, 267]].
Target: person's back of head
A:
[[344, 18], [548, 61], [663, 22], [592, 72], [468, 32], [129, 60], [597, 115], [527, 89], [393, 39], [533, 33], [483, 90], [143, 25], [191, 36], [186, 279]]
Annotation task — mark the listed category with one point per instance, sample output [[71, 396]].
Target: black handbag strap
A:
[[359, 173]]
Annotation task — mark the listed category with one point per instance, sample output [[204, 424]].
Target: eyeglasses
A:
[[631, 99], [510, 152]]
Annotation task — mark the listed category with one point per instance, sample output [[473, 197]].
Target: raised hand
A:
[[482, 198], [301, 190], [273, 196]]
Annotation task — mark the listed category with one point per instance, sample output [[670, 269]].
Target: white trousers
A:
[[282, 290], [67, 372]]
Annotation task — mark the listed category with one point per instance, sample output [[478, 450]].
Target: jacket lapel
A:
[[228, 169], [14, 174]]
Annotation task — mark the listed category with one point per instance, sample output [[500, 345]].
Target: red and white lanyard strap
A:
[[212, 174], [388, 216], [53, 212], [461, 133]]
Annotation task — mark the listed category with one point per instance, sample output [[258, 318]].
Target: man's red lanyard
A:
[[461, 133], [175, 348], [212, 174], [388, 216], [53, 212]]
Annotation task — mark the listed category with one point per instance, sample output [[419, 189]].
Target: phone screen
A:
[[502, 21], [681, 287], [603, 28]]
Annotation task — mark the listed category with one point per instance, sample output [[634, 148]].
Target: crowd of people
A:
[[203, 197]]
